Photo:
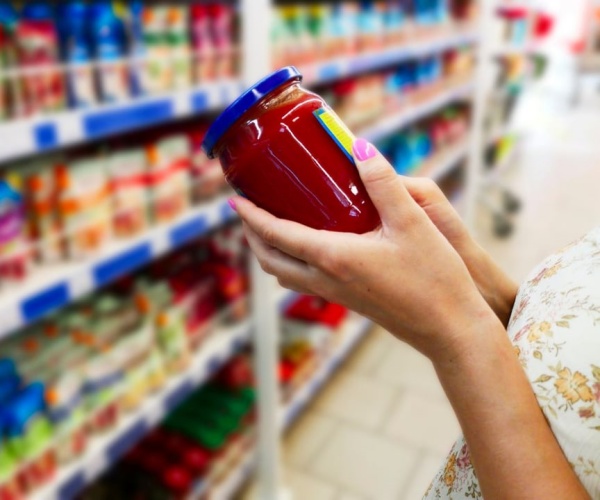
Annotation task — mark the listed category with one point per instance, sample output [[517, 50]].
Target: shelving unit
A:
[[54, 287], [110, 447], [349, 66], [482, 179], [57, 286], [414, 113], [41, 134]]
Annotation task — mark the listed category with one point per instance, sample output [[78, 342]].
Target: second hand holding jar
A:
[[285, 149]]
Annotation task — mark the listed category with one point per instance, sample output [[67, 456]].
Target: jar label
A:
[[337, 130]]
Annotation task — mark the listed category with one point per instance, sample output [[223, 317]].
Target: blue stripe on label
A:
[[200, 101], [329, 72], [319, 114], [46, 136], [73, 487], [123, 264], [189, 231], [45, 302], [121, 120], [126, 442], [179, 395]]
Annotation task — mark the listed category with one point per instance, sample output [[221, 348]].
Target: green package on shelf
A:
[[208, 438]]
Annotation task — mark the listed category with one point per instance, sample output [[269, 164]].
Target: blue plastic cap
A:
[[244, 102]]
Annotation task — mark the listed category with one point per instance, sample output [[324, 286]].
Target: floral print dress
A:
[[555, 329]]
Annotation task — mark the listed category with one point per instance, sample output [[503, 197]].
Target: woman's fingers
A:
[[383, 185], [294, 239], [292, 273]]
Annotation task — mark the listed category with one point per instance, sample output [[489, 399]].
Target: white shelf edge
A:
[[98, 457], [446, 162], [40, 134]]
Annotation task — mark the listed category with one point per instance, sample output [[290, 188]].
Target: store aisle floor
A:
[[381, 428]]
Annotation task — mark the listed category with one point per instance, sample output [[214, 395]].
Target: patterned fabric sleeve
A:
[[555, 329]]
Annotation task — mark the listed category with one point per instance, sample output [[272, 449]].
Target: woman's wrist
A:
[[496, 287]]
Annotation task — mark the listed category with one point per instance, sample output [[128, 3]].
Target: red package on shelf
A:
[[316, 310]]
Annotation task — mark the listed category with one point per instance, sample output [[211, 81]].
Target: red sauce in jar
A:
[[289, 154]]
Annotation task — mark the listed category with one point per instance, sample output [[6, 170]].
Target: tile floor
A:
[[382, 426]]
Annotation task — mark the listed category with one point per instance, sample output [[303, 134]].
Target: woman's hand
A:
[[498, 289], [405, 276]]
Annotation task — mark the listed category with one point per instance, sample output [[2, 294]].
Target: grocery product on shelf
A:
[[80, 53], [70, 206], [168, 177], [306, 33], [36, 42], [127, 170], [15, 256], [411, 150], [77, 53], [107, 33], [73, 375], [363, 100], [84, 206], [309, 331], [196, 447], [329, 196]]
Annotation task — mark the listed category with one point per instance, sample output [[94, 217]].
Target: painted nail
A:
[[363, 150], [232, 204]]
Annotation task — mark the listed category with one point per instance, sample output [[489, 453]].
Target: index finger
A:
[[301, 242]]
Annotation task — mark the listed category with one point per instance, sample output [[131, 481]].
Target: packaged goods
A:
[[108, 39], [84, 205], [127, 171], [15, 249], [168, 177], [180, 52], [37, 54]]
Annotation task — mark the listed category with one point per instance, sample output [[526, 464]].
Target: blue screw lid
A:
[[244, 102]]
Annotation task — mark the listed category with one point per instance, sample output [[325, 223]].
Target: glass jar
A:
[[285, 149]]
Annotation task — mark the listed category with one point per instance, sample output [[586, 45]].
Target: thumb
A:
[[384, 186]]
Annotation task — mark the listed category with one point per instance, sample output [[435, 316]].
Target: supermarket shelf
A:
[[348, 66], [353, 332], [52, 287], [442, 164], [44, 133], [105, 450], [414, 113], [235, 480]]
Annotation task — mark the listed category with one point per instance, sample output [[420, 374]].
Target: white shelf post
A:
[[256, 63], [483, 75]]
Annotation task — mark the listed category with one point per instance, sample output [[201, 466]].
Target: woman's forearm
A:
[[513, 450]]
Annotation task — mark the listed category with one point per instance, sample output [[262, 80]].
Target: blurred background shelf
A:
[[344, 67], [45, 133], [56, 286], [107, 449]]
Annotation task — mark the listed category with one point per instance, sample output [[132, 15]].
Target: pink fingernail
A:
[[363, 150], [232, 204]]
